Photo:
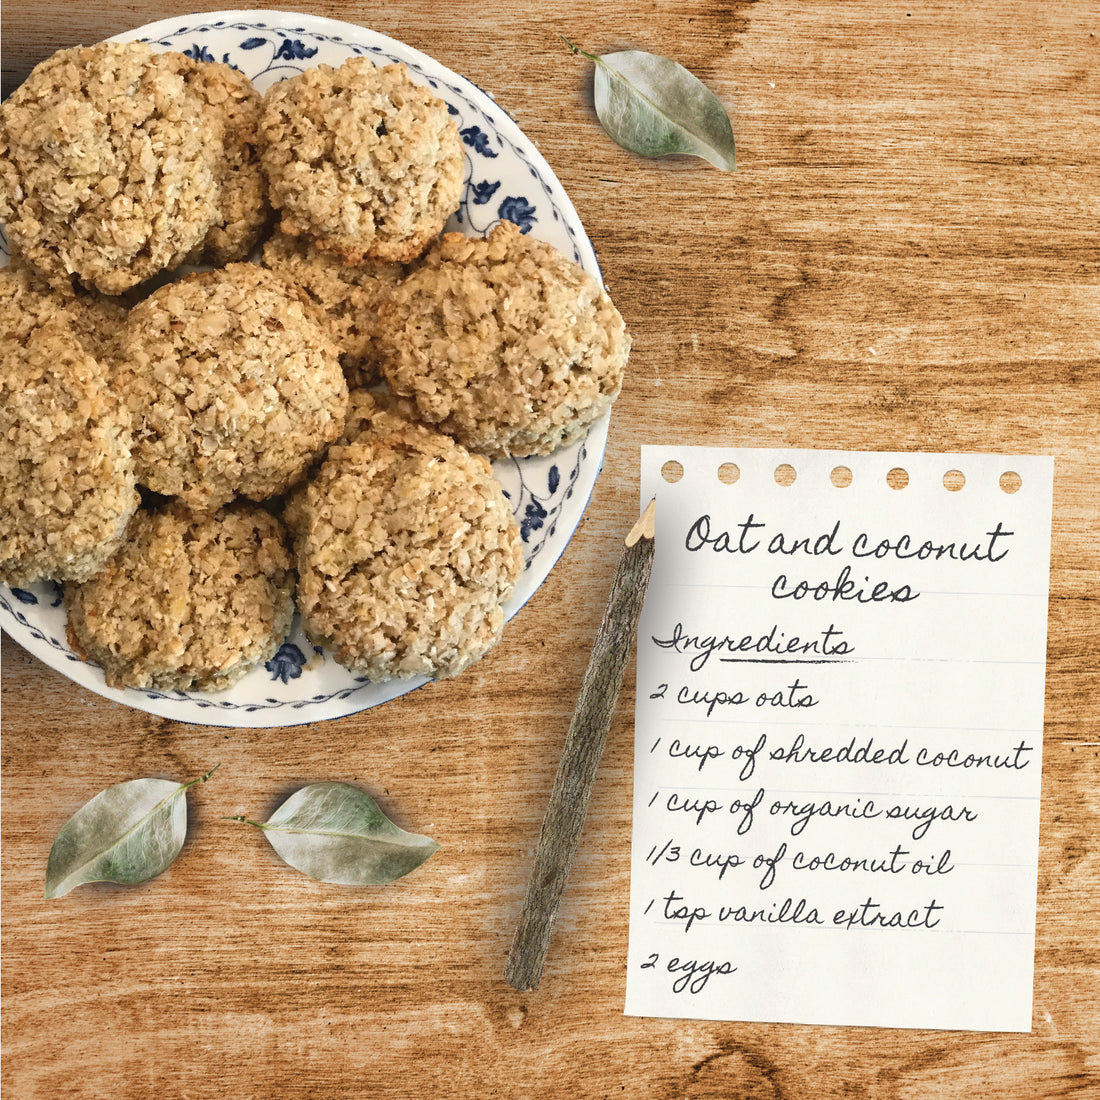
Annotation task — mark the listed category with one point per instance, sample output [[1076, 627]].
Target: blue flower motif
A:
[[478, 140], [294, 50], [484, 191], [198, 53], [516, 208], [287, 664], [533, 516]]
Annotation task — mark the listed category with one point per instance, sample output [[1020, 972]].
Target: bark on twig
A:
[[584, 745]]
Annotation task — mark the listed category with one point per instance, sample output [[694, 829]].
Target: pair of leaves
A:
[[133, 831], [653, 106]]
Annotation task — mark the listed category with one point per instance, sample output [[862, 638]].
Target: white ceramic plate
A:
[[506, 178]]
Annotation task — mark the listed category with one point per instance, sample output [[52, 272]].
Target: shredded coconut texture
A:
[[231, 108], [406, 550], [28, 301], [376, 413], [503, 343], [106, 168], [189, 602], [348, 295], [233, 386], [66, 476], [361, 160]]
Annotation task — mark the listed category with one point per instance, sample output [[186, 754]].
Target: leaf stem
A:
[[201, 778], [244, 820], [577, 50]]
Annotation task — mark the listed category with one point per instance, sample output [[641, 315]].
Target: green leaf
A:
[[334, 832], [129, 833], [653, 106]]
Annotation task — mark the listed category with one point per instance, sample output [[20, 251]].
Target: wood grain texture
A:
[[907, 258]]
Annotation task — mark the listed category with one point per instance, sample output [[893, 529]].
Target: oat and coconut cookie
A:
[[189, 602], [406, 549], [107, 169], [66, 476], [231, 109], [361, 160], [348, 295], [28, 301], [233, 386], [503, 343]]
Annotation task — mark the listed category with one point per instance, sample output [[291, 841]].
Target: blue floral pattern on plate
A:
[[287, 663], [506, 178]]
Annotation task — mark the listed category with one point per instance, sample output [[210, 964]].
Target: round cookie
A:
[[233, 386], [231, 106], [361, 160], [503, 343], [66, 476], [28, 301], [406, 550], [106, 166], [189, 602], [349, 296]]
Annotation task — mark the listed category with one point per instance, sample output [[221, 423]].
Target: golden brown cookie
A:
[[503, 343], [361, 160], [66, 476], [189, 602], [28, 301], [231, 107], [107, 171], [233, 386], [406, 550], [349, 296]]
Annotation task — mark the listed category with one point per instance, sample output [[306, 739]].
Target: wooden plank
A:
[[907, 257]]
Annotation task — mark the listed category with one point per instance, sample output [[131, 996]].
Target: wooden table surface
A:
[[907, 258]]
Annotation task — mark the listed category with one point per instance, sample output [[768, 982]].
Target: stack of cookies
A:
[[305, 423]]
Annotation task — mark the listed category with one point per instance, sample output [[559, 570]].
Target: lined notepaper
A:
[[838, 753]]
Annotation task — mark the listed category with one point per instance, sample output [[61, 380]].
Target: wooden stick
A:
[[580, 760]]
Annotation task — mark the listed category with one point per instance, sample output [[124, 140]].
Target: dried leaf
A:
[[127, 834], [653, 106], [334, 832]]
